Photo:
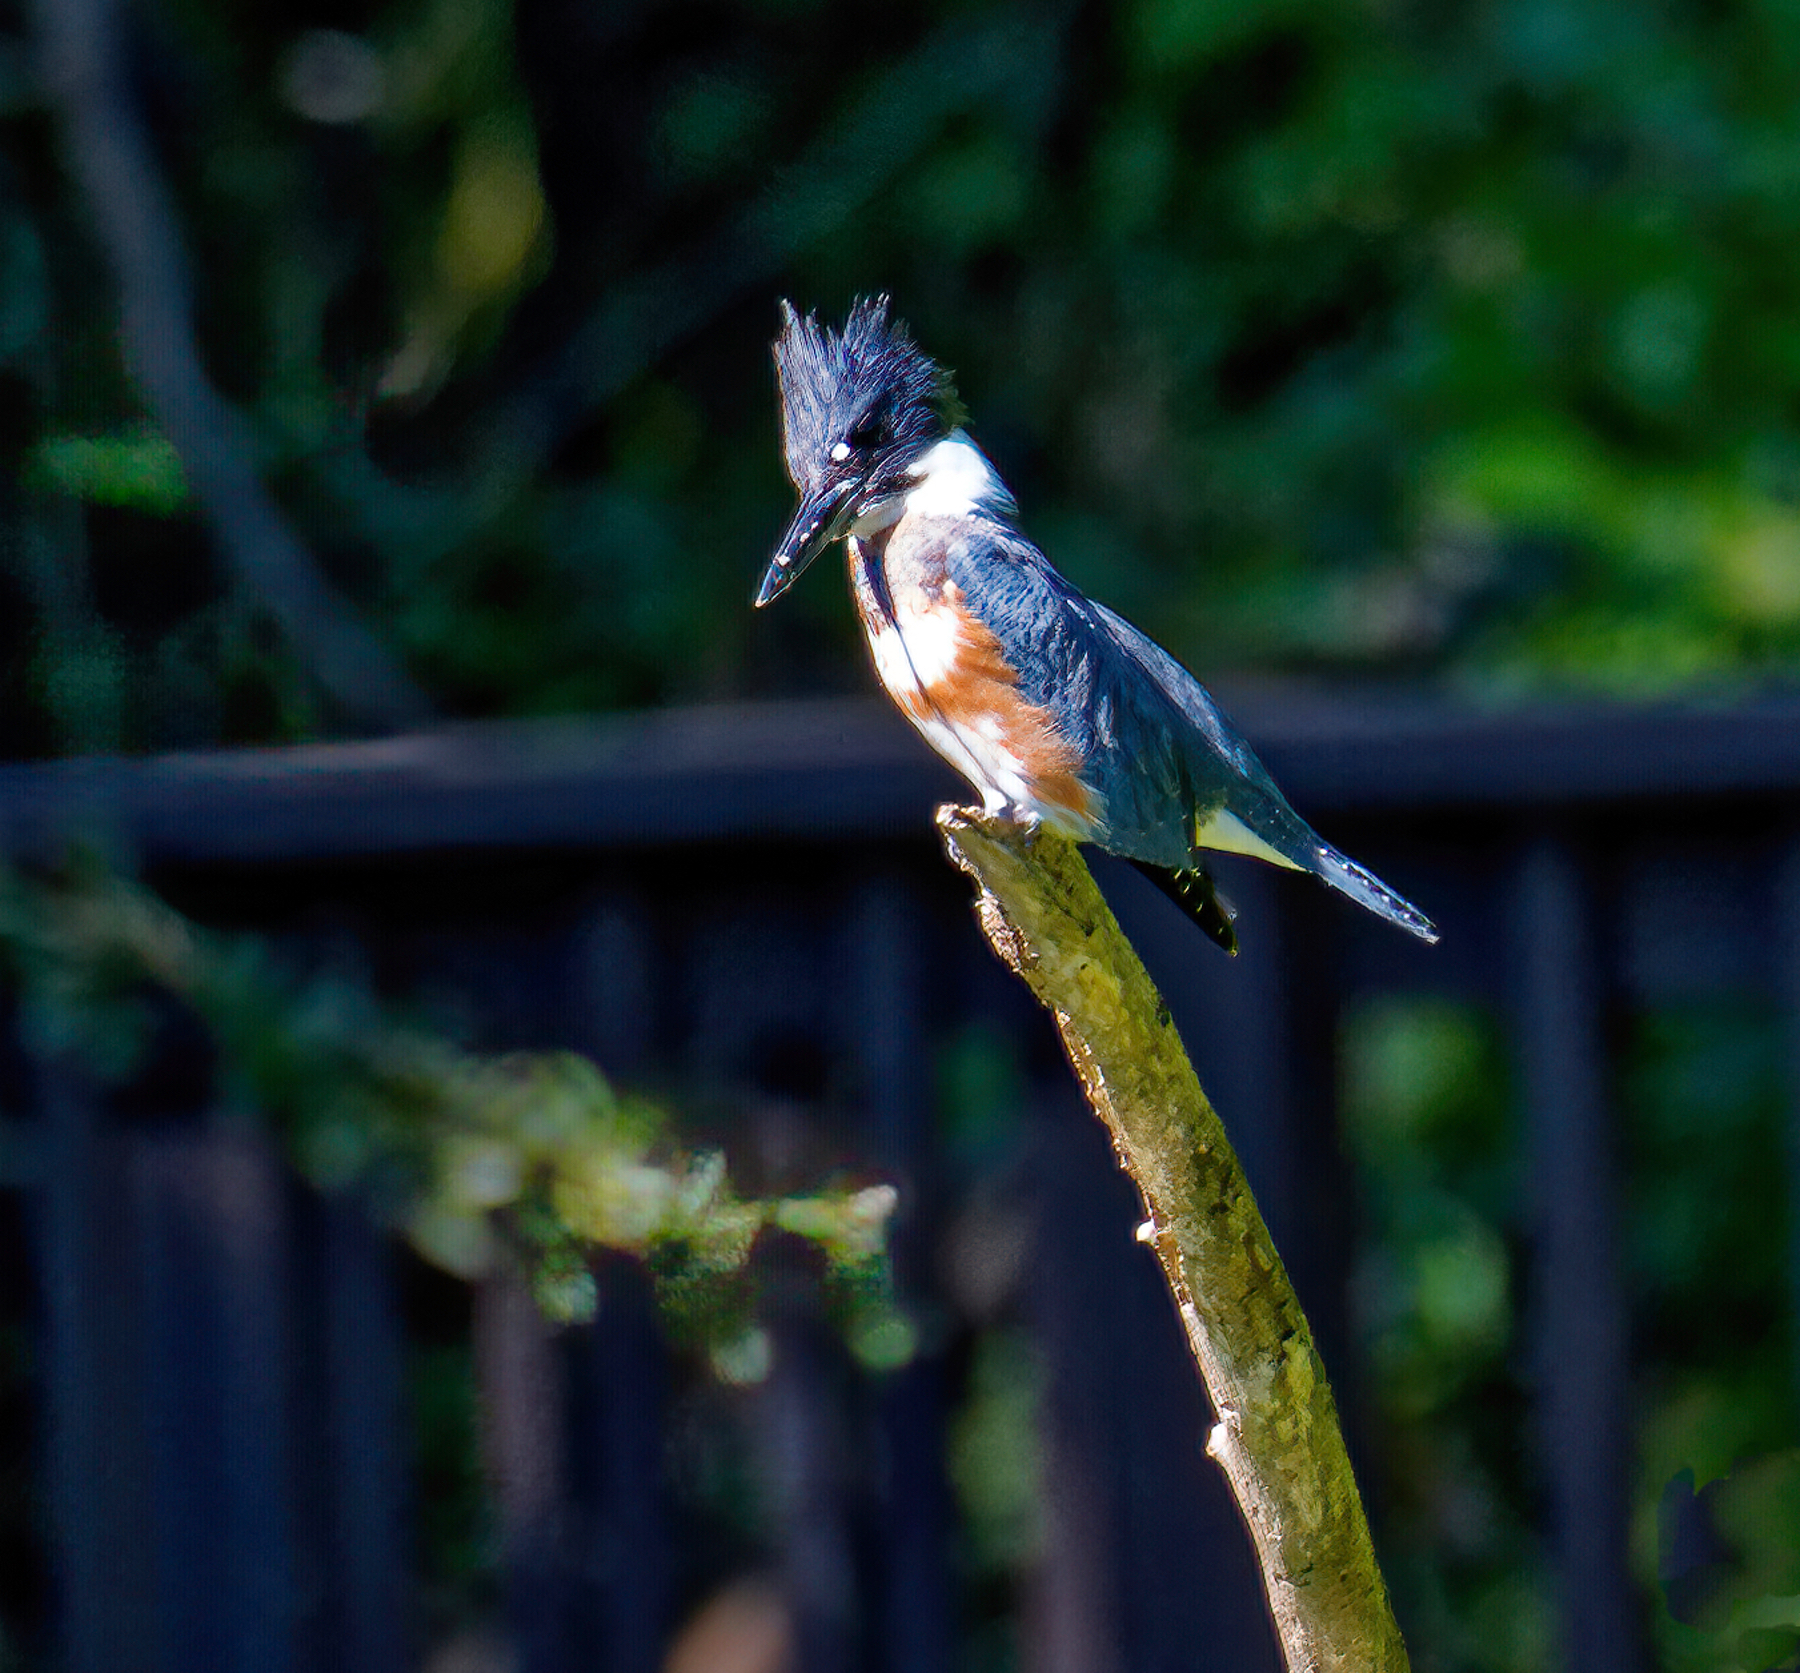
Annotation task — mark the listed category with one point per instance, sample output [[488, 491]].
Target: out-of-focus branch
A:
[[110, 157], [1277, 1436], [1003, 58]]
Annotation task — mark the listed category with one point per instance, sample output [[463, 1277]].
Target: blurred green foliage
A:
[[474, 1159], [996, 1455], [1358, 339], [1708, 1229], [1441, 1308], [996, 1464], [138, 469], [997, 1440], [457, 1537], [1427, 1121]]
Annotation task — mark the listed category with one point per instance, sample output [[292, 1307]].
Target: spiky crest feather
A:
[[869, 381]]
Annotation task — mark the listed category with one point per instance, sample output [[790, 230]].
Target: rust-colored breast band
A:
[[982, 686]]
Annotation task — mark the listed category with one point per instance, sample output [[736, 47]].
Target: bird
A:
[[1056, 709]]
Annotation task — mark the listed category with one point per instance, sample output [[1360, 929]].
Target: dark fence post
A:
[[1261, 1029], [1132, 1506], [1070, 1623], [619, 1374], [518, 1374], [811, 1464], [804, 1458], [370, 1567], [1579, 1330], [212, 1242], [618, 1365], [1787, 977], [884, 950], [107, 1620]]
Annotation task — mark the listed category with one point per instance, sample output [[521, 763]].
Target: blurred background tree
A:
[[1330, 340], [1363, 342]]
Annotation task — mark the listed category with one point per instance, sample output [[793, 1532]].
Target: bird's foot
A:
[[1020, 816]]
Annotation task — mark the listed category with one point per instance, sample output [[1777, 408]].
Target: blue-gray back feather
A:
[[1157, 748], [1163, 757]]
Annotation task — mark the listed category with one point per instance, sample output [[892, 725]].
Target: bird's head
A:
[[859, 408]]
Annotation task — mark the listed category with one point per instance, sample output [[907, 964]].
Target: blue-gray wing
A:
[[1251, 794], [1219, 765], [1163, 756]]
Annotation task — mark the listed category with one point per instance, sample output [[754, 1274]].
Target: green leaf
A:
[[137, 469]]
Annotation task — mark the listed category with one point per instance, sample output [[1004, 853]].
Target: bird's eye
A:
[[866, 433]]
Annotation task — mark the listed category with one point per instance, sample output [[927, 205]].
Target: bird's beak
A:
[[824, 514]]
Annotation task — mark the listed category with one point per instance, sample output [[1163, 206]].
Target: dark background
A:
[[1365, 341]]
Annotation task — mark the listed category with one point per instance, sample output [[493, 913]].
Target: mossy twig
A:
[[1277, 1437]]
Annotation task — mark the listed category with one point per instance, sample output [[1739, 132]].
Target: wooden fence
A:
[[220, 1450]]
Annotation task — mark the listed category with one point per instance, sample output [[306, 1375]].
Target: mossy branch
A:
[[1277, 1437]]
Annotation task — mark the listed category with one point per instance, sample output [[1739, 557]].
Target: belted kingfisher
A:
[[1056, 709]]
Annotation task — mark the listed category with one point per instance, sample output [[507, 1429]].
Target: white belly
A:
[[985, 762], [909, 665], [956, 695]]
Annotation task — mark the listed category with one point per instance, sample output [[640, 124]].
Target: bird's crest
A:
[[868, 388]]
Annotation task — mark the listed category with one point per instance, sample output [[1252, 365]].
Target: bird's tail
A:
[[1192, 890], [1364, 887]]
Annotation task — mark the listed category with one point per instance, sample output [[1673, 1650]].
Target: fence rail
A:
[[751, 899]]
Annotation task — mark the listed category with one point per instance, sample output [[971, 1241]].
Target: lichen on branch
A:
[[1277, 1437]]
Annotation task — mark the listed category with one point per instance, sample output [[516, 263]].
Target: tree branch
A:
[[111, 159], [1277, 1436]]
